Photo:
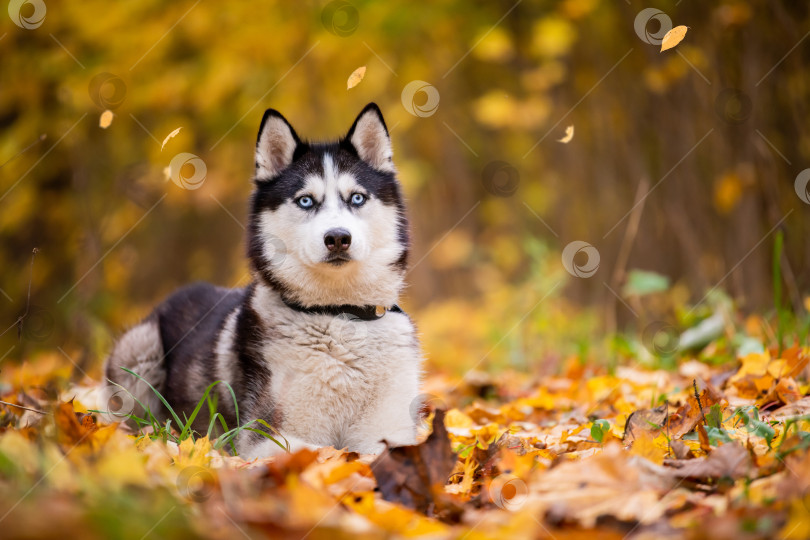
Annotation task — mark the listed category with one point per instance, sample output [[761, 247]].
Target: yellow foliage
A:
[[727, 192], [552, 36], [495, 45]]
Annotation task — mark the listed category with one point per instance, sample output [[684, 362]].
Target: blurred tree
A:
[[716, 126]]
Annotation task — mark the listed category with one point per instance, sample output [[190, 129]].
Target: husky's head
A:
[[327, 222]]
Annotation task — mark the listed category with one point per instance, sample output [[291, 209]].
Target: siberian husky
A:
[[315, 345]]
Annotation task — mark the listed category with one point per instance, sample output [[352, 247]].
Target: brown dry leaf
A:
[[786, 390], [730, 460], [569, 134], [169, 137], [680, 450], [414, 476], [105, 119], [703, 437], [355, 78], [287, 463], [70, 430], [794, 409], [796, 359], [673, 37], [689, 414], [74, 429], [611, 483], [643, 421]]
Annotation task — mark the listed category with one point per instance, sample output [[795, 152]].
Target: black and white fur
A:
[[319, 378]]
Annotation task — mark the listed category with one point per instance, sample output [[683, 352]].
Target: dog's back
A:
[[174, 349]]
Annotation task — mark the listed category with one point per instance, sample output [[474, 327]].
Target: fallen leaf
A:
[[569, 134], [680, 450], [793, 410], [193, 453], [703, 437], [414, 476], [690, 413], [612, 482], [169, 137], [74, 429], [105, 119], [643, 421], [650, 447], [673, 37], [355, 78], [730, 460]]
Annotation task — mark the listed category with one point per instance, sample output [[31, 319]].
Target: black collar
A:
[[365, 313]]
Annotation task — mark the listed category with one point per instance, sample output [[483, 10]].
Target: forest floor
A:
[[697, 450]]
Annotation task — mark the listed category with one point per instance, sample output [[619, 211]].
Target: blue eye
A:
[[358, 199], [305, 201]]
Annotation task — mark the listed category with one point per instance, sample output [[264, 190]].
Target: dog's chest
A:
[[327, 370]]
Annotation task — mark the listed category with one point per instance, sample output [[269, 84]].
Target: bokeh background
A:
[[683, 164]]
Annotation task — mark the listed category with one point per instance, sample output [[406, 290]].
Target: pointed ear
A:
[[275, 145], [369, 136]]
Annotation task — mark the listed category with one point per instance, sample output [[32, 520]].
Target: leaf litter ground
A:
[[701, 451]]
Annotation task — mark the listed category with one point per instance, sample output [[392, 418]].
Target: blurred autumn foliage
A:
[[609, 245], [715, 131]]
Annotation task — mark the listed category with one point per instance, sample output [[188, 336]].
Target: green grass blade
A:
[[158, 394]]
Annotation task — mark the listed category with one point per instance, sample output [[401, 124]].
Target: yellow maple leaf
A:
[[193, 453], [649, 447]]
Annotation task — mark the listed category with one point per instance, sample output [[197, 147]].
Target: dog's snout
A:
[[337, 240]]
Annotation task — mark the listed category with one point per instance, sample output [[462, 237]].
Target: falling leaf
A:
[[169, 137], [673, 37], [569, 134], [355, 78], [105, 119]]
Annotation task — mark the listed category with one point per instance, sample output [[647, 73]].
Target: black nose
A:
[[337, 240]]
